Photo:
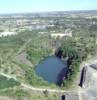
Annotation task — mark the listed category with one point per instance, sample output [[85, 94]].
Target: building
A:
[[70, 96], [3, 34], [67, 32]]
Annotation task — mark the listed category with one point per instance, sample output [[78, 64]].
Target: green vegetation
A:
[[35, 55], [36, 50], [19, 94], [22, 94], [77, 48], [6, 83], [35, 80]]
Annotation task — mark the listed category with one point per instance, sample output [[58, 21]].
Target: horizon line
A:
[[46, 11]]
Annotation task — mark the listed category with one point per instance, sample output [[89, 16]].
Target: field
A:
[[7, 83], [23, 94]]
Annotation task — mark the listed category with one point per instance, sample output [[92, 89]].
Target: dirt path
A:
[[22, 48], [34, 88], [6, 98]]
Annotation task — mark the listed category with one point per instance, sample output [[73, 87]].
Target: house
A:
[[70, 96], [67, 32]]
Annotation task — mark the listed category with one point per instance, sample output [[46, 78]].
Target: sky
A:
[[22, 6]]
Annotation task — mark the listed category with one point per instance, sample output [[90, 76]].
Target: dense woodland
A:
[[77, 50]]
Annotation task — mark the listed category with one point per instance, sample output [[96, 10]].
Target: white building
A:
[[3, 34], [68, 32]]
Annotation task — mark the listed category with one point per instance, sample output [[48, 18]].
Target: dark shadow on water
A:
[[62, 75]]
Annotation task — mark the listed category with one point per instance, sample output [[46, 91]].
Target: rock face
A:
[[22, 59]]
